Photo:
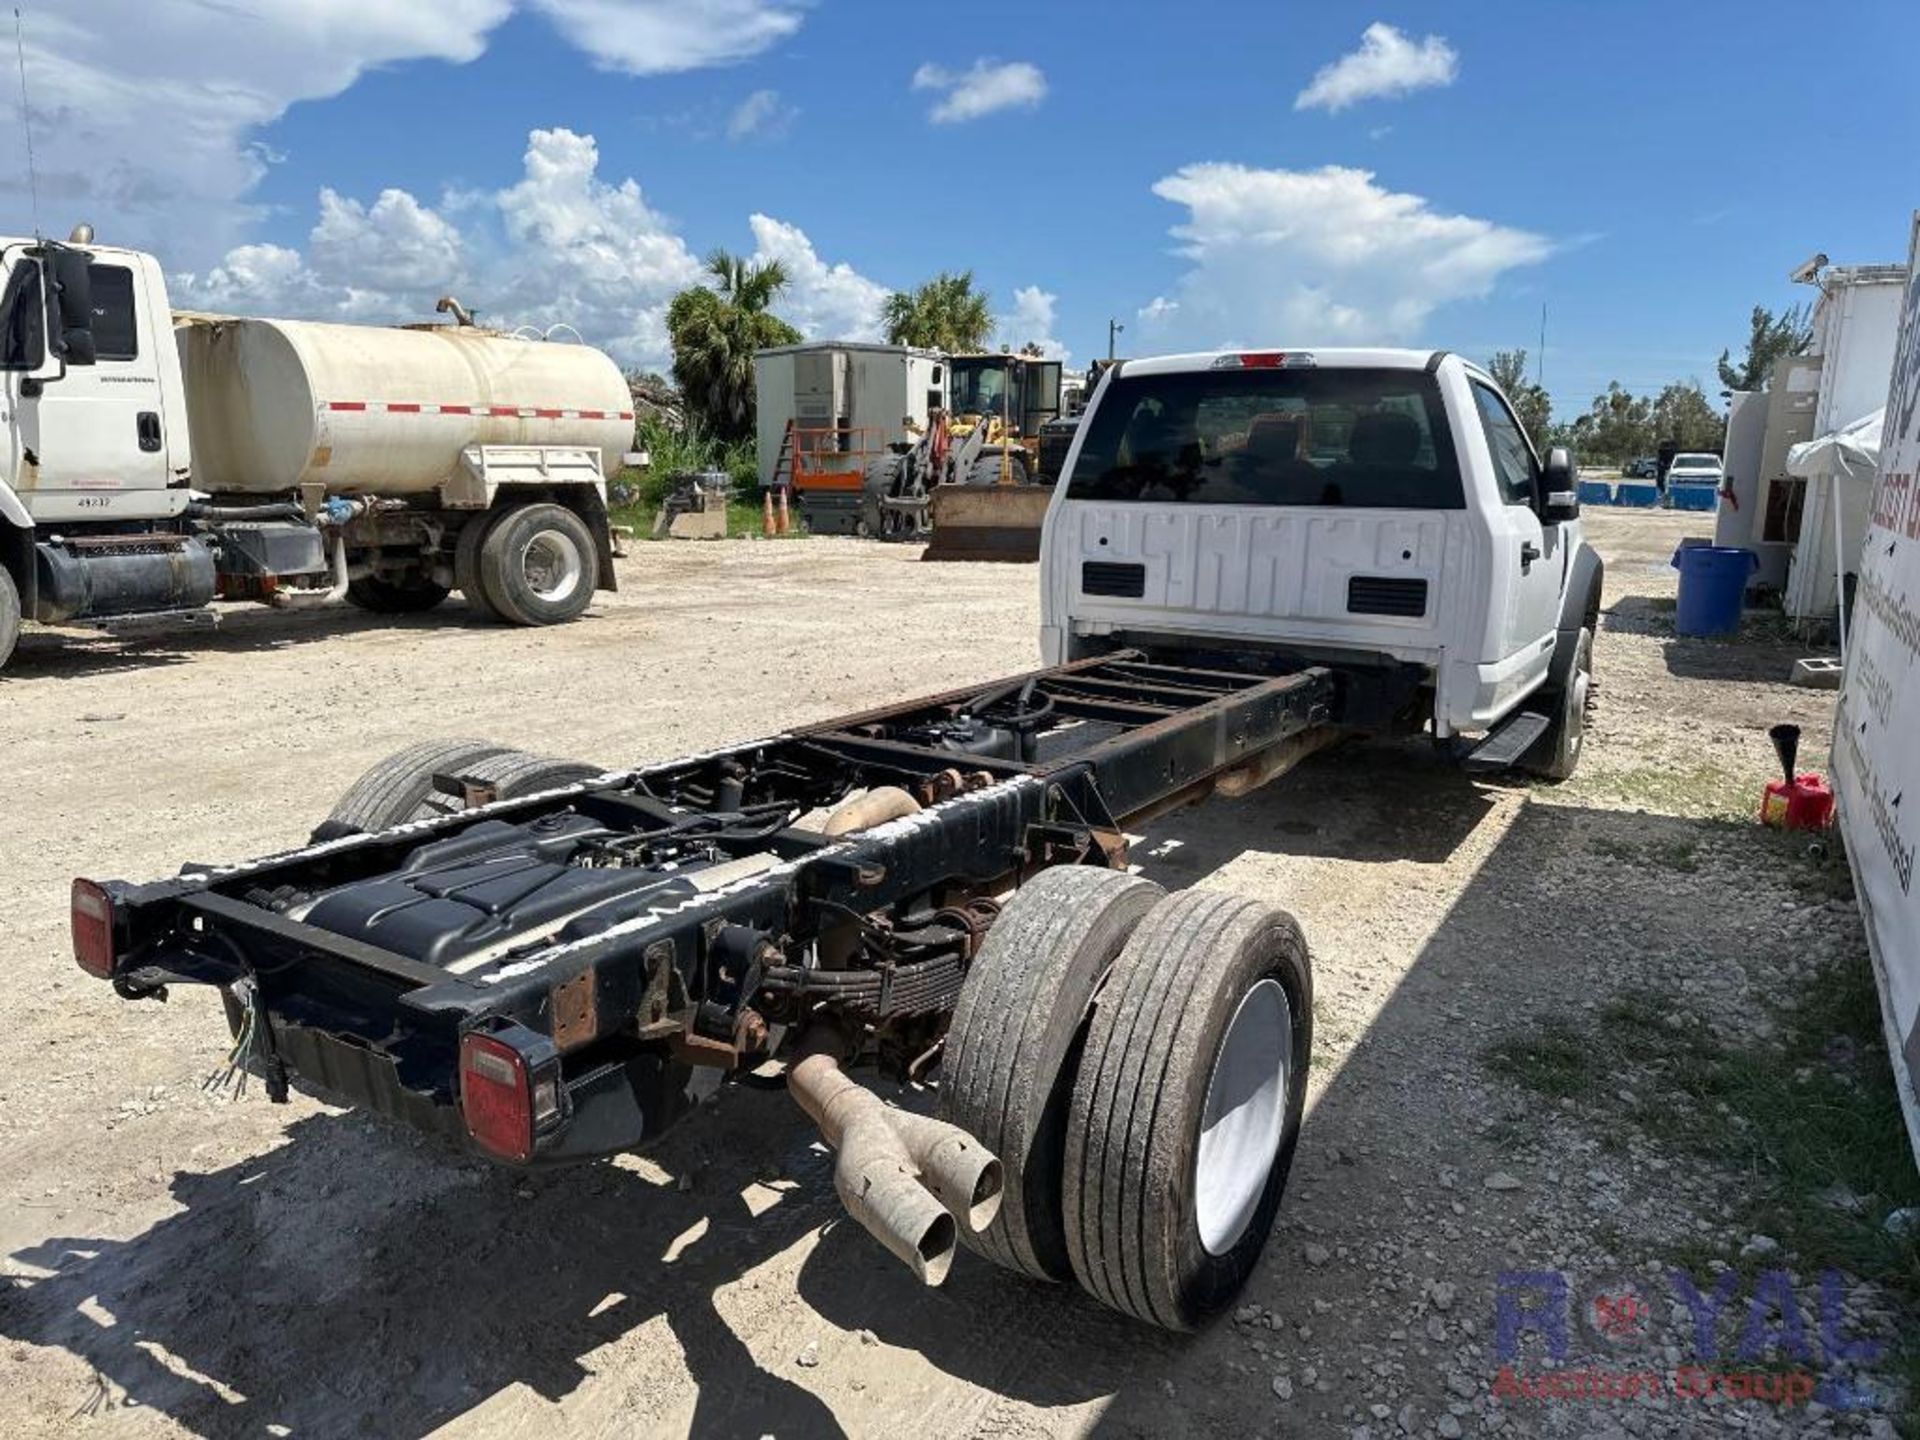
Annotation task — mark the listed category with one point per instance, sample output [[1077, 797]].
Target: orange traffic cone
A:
[[766, 517], [786, 521]]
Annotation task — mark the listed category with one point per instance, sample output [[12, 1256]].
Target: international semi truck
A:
[[154, 461]]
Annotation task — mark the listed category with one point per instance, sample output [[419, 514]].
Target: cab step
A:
[[204, 618], [1511, 739]]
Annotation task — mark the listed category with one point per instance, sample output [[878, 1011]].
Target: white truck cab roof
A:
[[1280, 357]]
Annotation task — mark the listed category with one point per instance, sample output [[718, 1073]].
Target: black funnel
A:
[[1786, 744]]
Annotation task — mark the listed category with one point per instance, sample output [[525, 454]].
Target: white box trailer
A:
[[846, 400], [1856, 326]]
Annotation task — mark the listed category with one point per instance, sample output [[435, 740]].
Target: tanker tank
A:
[[272, 404]]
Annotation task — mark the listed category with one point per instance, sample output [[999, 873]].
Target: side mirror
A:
[[1559, 489], [71, 313]]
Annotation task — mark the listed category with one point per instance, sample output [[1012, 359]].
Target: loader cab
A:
[[1023, 390], [95, 422]]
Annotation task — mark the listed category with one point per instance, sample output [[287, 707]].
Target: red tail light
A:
[[93, 929], [507, 1094]]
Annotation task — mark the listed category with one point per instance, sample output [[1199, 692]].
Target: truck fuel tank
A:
[[122, 575]]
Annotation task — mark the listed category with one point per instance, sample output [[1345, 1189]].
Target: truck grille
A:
[[1378, 595], [1103, 577]]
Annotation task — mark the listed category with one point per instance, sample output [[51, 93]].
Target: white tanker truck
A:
[[153, 462]]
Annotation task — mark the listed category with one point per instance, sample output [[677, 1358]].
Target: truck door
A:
[[1528, 558], [97, 431]]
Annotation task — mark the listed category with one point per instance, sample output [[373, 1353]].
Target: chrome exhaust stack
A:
[[910, 1180]]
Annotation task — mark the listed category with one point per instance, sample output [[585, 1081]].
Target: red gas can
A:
[[1805, 803]]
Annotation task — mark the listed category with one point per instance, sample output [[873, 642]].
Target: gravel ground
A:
[[177, 1263]]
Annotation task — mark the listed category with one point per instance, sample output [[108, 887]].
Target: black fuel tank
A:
[[122, 575]]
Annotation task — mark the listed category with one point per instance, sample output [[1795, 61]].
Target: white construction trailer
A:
[[1856, 327], [846, 402]]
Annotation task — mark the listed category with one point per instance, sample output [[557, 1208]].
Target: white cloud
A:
[[1157, 310], [145, 113], [1321, 257], [981, 89], [762, 113], [659, 37], [560, 245], [822, 301], [1031, 322], [1388, 63]]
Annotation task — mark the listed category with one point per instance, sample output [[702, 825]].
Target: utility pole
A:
[[1540, 363], [1114, 327]]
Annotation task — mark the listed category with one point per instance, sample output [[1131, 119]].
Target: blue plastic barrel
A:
[[1643, 494], [1694, 497], [1596, 492], [1713, 579]]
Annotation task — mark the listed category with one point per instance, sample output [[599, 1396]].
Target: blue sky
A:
[[1648, 172]]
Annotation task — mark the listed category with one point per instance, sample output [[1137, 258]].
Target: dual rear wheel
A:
[[1138, 1061], [527, 565]]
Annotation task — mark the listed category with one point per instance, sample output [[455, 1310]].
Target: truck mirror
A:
[[70, 334], [1559, 488]]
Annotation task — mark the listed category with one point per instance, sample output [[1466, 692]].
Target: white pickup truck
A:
[[1381, 511]]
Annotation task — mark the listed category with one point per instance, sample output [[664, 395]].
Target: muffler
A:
[[911, 1180]]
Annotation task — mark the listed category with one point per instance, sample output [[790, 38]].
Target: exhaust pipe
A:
[[912, 1181], [314, 599]]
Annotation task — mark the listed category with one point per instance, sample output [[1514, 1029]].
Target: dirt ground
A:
[[172, 1263]]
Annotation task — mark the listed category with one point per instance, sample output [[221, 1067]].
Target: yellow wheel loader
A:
[[981, 488]]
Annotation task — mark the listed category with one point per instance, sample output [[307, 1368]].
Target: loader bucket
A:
[[987, 522]]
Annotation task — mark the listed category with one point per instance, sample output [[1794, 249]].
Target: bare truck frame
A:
[[555, 977]]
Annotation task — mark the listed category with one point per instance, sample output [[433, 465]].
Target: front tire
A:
[[1009, 1070], [986, 471], [1187, 1107], [538, 565], [9, 616]]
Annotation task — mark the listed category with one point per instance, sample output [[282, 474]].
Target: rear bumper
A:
[[614, 1106]]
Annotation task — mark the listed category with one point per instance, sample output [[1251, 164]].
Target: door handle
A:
[[1529, 552], [148, 428]]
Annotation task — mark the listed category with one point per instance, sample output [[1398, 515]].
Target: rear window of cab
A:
[[1334, 437]]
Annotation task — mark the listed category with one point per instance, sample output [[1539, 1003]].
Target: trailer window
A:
[[1336, 436], [23, 319], [116, 336]]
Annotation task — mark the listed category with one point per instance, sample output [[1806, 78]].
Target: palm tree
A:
[[715, 329], [946, 313]]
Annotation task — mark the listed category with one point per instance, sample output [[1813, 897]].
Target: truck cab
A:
[[1382, 510]]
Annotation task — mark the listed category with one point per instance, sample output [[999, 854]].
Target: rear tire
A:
[[1187, 1107], [395, 597], [1008, 1075], [1556, 755], [466, 567], [400, 787], [514, 773], [538, 565], [9, 615]]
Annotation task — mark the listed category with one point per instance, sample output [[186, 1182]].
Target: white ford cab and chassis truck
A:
[[546, 961], [1380, 511], [152, 462]]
